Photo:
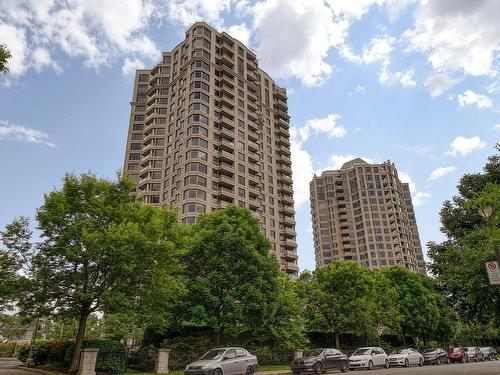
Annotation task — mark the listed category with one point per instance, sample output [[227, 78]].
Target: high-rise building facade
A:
[[209, 128], [364, 213]]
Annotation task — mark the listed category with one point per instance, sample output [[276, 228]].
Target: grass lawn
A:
[[267, 368]]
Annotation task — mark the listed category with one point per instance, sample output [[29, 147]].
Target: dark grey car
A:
[[320, 360], [224, 361]]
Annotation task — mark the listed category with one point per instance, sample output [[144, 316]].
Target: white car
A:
[[406, 357], [369, 357]]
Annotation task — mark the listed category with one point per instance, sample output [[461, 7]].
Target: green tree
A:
[[16, 250], [338, 299], [100, 251], [458, 262], [416, 303], [232, 280], [5, 55], [285, 327]]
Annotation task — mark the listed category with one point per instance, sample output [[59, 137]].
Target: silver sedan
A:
[[224, 361]]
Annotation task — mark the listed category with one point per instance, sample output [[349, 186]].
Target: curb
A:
[[36, 370], [282, 372]]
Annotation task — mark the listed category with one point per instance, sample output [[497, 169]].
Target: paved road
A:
[[12, 371], [479, 368]]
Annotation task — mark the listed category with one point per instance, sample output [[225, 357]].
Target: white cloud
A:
[[457, 36], [418, 197], [327, 125], [15, 40], [337, 161], [464, 146], [379, 51], [241, 32], [294, 38], [469, 97], [97, 31], [303, 172], [441, 171], [189, 11], [389, 78], [23, 134], [42, 59], [130, 65], [438, 83], [497, 127]]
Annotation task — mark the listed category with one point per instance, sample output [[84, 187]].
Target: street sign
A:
[[493, 272]]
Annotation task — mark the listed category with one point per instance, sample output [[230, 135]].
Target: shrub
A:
[[47, 353], [143, 359], [112, 355]]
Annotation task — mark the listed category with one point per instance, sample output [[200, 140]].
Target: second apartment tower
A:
[[362, 212], [209, 128]]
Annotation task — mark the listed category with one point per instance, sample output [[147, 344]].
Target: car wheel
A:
[[370, 365], [318, 368], [420, 362], [344, 366], [463, 360], [250, 371], [482, 358], [448, 361], [386, 364], [217, 371], [438, 361]]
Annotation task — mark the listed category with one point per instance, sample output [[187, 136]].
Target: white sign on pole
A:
[[493, 272]]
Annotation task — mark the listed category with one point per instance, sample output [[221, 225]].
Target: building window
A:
[[193, 207]]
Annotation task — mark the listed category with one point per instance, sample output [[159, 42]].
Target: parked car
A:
[[406, 357], [458, 354], [435, 356], [224, 361], [475, 354], [489, 352], [369, 357], [320, 360]]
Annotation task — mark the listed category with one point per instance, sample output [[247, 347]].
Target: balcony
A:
[[252, 146], [285, 169], [227, 133], [286, 209], [287, 199], [226, 192], [254, 203], [226, 145], [226, 156], [284, 150], [287, 220], [227, 60], [284, 179], [285, 189], [281, 93], [226, 181], [255, 178], [288, 232], [226, 167], [290, 255], [284, 142]]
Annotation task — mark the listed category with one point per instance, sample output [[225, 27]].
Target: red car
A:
[[458, 355]]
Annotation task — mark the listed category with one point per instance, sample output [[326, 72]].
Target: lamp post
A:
[[486, 212]]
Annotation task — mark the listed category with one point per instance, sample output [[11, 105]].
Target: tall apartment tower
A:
[[209, 128], [364, 213]]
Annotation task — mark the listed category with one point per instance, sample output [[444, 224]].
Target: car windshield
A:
[[484, 349], [314, 352], [471, 349], [403, 351], [362, 351], [457, 350], [213, 354], [429, 350]]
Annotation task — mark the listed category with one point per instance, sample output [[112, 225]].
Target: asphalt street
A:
[[479, 368]]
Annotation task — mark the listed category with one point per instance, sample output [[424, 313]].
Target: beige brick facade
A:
[[209, 128], [364, 213]]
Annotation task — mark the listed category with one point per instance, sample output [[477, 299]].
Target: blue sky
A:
[[413, 81]]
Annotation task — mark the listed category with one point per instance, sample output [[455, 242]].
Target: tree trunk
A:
[[337, 340], [75, 363]]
